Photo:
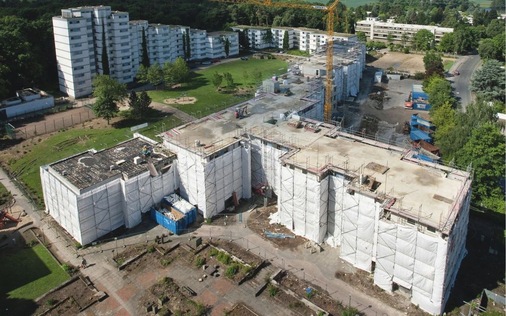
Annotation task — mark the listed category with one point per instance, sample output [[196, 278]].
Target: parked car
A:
[[456, 72], [244, 58]]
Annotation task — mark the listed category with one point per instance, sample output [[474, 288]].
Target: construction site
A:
[[393, 214]]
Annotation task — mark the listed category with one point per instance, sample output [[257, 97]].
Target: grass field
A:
[[208, 99], [53, 149], [29, 273], [448, 63]]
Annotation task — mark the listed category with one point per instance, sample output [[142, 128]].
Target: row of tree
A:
[[109, 94], [471, 138], [168, 74]]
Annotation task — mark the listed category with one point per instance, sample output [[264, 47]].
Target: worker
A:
[[83, 263]]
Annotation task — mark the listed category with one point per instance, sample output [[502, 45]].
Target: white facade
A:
[[78, 36], [279, 34], [26, 101], [92, 194], [377, 30], [216, 44]]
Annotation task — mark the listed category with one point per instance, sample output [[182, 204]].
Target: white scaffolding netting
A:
[[223, 177], [303, 203], [357, 232], [100, 211], [337, 189], [61, 203], [265, 164], [413, 260], [143, 191]]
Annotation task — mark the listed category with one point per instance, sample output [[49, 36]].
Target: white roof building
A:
[[399, 32]]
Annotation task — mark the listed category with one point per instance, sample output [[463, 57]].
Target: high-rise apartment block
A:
[[89, 38]]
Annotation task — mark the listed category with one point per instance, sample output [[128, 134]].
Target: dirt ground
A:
[[400, 62], [180, 100]]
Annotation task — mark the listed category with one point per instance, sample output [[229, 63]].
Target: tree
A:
[[180, 71], [243, 39], [133, 100], [155, 75], [404, 39], [187, 45], [433, 65], [145, 56], [447, 43], [267, 37], [142, 74], [495, 27], [423, 40], [105, 56], [226, 46], [286, 41], [440, 92], [464, 39], [485, 151], [361, 36], [489, 82], [229, 80], [141, 107], [444, 118], [108, 93], [488, 50], [216, 80]]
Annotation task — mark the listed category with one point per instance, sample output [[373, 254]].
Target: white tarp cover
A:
[[143, 191], [223, 177], [413, 260], [246, 170], [61, 203], [358, 229], [337, 189], [302, 203], [265, 164], [191, 177], [100, 211]]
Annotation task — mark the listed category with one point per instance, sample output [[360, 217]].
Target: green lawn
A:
[[483, 3], [29, 273], [208, 99], [448, 63], [348, 3], [73, 141]]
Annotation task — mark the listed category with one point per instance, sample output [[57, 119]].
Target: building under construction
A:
[[401, 218]]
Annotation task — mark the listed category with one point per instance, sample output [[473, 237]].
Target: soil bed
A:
[[259, 222], [241, 310], [284, 299], [79, 295], [317, 296]]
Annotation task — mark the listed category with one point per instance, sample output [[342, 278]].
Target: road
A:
[[466, 65]]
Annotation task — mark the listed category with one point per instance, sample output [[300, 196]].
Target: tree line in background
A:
[[27, 54], [471, 138]]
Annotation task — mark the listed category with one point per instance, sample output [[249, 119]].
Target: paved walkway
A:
[[318, 268]]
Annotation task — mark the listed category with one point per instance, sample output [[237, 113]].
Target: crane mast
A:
[[330, 10]]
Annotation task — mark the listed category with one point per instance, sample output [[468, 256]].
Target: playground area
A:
[[180, 100]]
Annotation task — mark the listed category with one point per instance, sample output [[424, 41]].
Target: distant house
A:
[[25, 102]]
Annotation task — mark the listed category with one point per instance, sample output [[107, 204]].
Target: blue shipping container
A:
[[166, 218], [176, 202]]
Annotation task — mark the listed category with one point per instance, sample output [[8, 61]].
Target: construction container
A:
[[174, 201], [171, 219]]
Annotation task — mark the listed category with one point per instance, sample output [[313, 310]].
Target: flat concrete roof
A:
[[425, 192], [90, 168]]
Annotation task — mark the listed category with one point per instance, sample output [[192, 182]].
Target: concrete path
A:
[[318, 268], [183, 116]]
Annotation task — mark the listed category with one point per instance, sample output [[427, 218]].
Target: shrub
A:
[[51, 302], [151, 248], [232, 270], [165, 262], [350, 311], [213, 252], [200, 261], [223, 258], [273, 290], [70, 269]]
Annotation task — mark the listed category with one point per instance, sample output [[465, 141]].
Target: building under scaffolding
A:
[[400, 218], [96, 192]]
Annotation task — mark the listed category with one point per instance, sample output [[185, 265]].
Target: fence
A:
[[53, 123]]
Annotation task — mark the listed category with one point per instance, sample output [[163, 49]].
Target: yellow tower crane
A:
[[331, 15]]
